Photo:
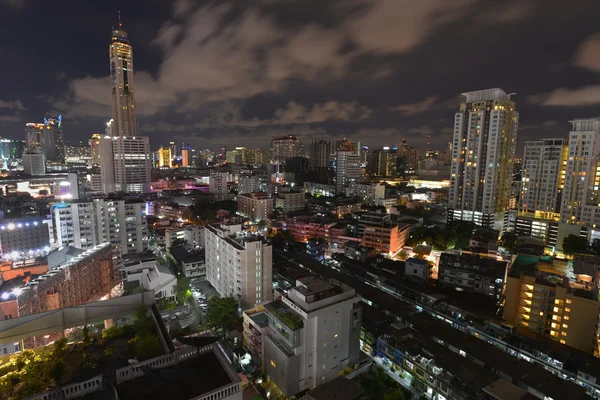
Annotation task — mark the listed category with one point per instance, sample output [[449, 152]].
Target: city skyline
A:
[[316, 74]]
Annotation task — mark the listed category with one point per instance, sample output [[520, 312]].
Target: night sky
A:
[[239, 72]]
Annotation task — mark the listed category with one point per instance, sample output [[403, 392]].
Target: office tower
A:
[[11, 149], [320, 151], [257, 205], [344, 144], [173, 148], [47, 137], [239, 265], [124, 121], [409, 156], [125, 164], [164, 157], [78, 154], [34, 162], [345, 166], [542, 182], [296, 170], [386, 165], [217, 184], [94, 143], [249, 183], [237, 156], [313, 334], [284, 147], [89, 223], [485, 134], [186, 157]]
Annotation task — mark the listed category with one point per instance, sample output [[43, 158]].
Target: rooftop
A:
[[183, 381]]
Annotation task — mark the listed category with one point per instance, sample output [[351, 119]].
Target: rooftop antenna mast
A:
[[119, 24]]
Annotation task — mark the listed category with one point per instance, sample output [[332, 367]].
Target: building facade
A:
[[369, 193], [284, 147], [89, 223], [290, 201], [125, 164], [24, 235], [257, 205], [483, 150], [122, 85], [34, 162], [218, 185], [239, 265], [347, 169], [312, 335]]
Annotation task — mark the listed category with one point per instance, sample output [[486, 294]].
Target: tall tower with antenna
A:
[[122, 86]]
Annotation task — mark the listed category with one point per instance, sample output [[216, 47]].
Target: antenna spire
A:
[[119, 24]]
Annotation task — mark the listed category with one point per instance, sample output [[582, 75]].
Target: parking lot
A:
[[202, 292]]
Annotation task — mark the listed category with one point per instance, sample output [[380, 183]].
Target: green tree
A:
[[86, 336], [262, 223], [397, 394], [595, 246], [142, 322], [403, 255], [147, 345], [509, 240], [575, 244], [182, 290], [221, 313]]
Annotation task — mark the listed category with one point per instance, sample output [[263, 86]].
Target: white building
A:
[[249, 183], [257, 205], [417, 268], [581, 195], [313, 334], [150, 275], [34, 162], [483, 150], [218, 185], [87, 224], [347, 166], [290, 201], [194, 266], [125, 164], [368, 192], [239, 265], [192, 234]]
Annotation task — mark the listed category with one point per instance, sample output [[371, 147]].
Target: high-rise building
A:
[[249, 183], [11, 149], [78, 154], [320, 151], [173, 147], [34, 162], [386, 162], [313, 334], [125, 164], [164, 157], [346, 167], [284, 147], [344, 144], [186, 157], [542, 183], [94, 143], [86, 224], [121, 72], [409, 156], [239, 265], [217, 184], [484, 143], [254, 156], [48, 137], [296, 170]]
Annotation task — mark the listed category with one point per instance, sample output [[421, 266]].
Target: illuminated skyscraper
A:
[[164, 157], [484, 143], [284, 147], [121, 73], [125, 164], [47, 137], [95, 149]]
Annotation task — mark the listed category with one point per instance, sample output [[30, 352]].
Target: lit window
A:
[[567, 309], [563, 341], [565, 326], [566, 317], [564, 333], [273, 364], [568, 301]]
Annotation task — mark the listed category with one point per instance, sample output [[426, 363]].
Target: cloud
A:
[[566, 97], [423, 130], [509, 12], [588, 53], [416, 108], [295, 113], [14, 4], [10, 118], [12, 105]]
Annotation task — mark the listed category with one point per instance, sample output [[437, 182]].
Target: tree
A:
[[509, 240], [403, 255], [595, 246], [222, 312], [86, 336], [377, 385], [182, 290], [262, 223], [575, 244]]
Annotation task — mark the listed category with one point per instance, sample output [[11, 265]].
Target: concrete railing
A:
[[221, 393], [71, 391], [134, 371]]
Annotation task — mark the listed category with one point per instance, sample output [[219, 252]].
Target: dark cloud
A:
[[244, 70]]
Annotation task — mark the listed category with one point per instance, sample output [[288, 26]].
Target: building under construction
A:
[[86, 277]]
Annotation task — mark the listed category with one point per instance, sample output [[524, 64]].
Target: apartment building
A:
[[257, 205], [473, 274], [238, 264], [218, 185], [554, 298], [85, 224], [312, 335], [290, 200], [191, 234], [387, 238], [369, 193], [255, 320]]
